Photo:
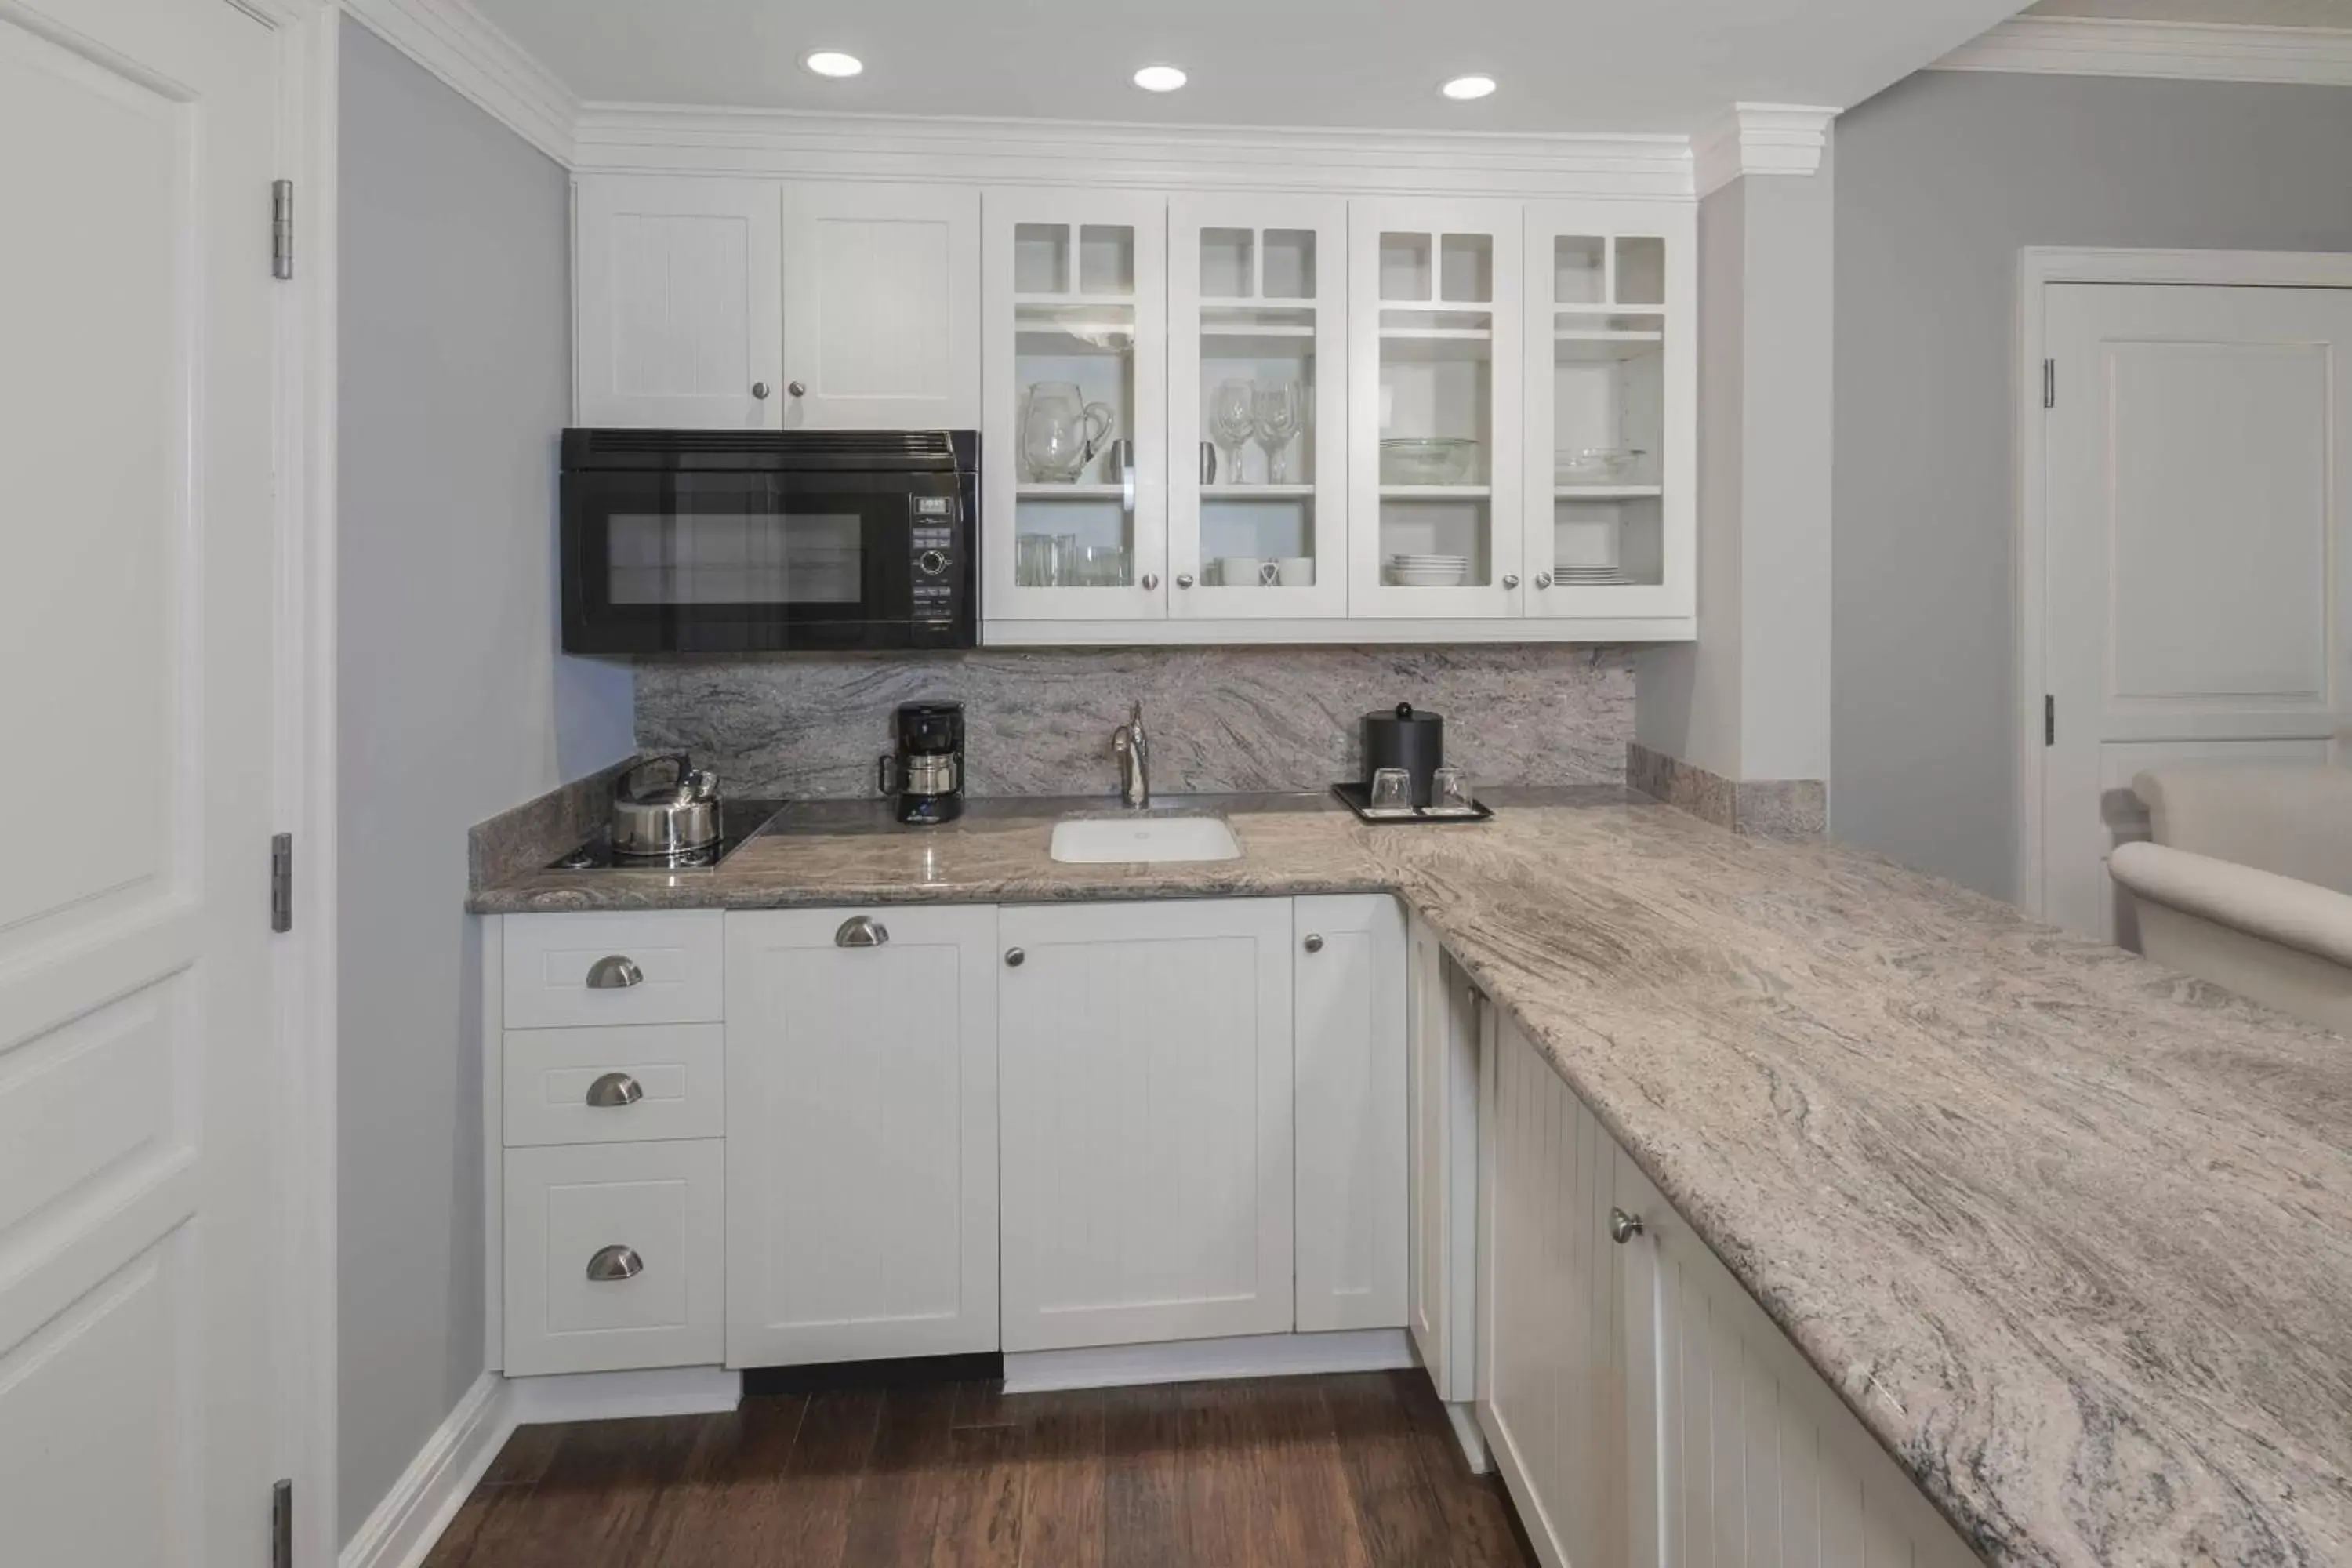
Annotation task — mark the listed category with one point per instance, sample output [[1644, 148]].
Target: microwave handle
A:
[[883, 771]]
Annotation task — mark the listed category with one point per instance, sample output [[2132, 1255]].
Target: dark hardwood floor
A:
[[1359, 1470]]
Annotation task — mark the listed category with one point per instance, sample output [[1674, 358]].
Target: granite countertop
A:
[[2071, 1234]]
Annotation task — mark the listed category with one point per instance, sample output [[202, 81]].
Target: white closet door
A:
[[861, 1134], [881, 307], [677, 302], [2198, 542], [1350, 1117], [1146, 1051]]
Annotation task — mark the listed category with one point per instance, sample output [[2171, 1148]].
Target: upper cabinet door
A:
[[676, 303], [881, 289], [1611, 410], [1257, 428], [1076, 312], [1433, 416]]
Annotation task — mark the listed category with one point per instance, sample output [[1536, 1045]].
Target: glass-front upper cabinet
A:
[[1257, 429], [1611, 390], [1074, 455], [1433, 460]]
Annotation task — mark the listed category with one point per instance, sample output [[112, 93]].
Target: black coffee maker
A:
[[926, 771]]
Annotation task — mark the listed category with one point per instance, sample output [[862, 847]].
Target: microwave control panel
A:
[[939, 559]]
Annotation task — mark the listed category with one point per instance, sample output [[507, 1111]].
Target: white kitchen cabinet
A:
[[861, 1134], [630, 1084], [1642, 1408], [614, 1255], [1075, 305], [1433, 355], [1350, 1118], [881, 307], [1611, 411], [1146, 1072], [613, 967], [1257, 310], [1445, 1018], [677, 302]]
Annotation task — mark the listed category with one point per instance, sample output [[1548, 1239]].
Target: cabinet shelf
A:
[[1046, 491], [1606, 492], [1436, 492], [1256, 492], [1423, 345], [1600, 347]]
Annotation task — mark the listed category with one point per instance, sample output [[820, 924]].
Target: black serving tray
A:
[[1357, 799]]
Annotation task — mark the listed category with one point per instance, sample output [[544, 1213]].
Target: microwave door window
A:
[[770, 559]]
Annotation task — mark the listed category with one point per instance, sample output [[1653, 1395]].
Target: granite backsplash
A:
[[1039, 722]]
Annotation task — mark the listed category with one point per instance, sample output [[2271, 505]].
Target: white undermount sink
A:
[[1096, 840]]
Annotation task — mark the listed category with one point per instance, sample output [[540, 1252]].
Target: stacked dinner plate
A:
[[1592, 576], [1428, 571]]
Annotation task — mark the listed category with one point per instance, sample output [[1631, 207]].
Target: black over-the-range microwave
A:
[[760, 542]]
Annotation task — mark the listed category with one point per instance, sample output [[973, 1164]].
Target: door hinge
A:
[[281, 229], [281, 1525], [281, 882], [2049, 719], [2050, 384]]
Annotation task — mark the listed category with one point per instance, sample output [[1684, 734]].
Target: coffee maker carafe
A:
[[926, 771]]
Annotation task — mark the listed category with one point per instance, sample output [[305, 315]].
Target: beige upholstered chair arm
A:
[[2300, 915]]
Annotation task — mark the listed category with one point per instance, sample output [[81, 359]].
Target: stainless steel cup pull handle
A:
[[613, 972], [612, 1263], [1623, 1226], [859, 931], [613, 1090]]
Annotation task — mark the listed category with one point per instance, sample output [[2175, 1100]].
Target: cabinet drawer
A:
[[666, 968], [626, 1085], [649, 1219]]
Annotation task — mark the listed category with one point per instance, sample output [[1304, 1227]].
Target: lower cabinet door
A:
[[1551, 1338], [1349, 1093], [1749, 1456], [614, 1255], [861, 1134], [1147, 1122], [1446, 1017]]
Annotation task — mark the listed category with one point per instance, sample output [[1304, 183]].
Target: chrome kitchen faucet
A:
[[1133, 747]]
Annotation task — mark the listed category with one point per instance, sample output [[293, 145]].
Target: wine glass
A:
[[1233, 417], [1279, 410]]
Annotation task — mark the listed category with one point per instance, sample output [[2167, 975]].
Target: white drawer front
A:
[[677, 958], [566, 1204], [572, 1086]]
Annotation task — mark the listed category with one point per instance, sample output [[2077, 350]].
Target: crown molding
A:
[[2198, 51], [457, 43], [614, 138], [1760, 139]]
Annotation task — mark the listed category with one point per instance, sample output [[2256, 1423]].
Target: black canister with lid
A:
[[1404, 739]]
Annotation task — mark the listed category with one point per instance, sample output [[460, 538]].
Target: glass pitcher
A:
[[1061, 431]]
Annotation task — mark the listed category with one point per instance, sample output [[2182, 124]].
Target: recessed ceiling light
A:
[[1160, 78], [833, 62], [1467, 87]]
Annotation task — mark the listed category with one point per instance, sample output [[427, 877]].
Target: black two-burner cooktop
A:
[[738, 820]]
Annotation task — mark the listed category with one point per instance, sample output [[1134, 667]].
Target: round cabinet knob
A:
[[1150, 581], [1623, 1226], [760, 390], [1511, 579], [613, 972], [797, 388], [1013, 957], [613, 1090], [1314, 943], [1184, 579], [1543, 579], [612, 1263]]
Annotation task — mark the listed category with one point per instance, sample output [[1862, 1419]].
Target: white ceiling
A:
[[1564, 65]]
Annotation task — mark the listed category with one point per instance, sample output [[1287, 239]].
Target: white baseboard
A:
[[617, 1396], [1194, 1361], [1463, 1418], [404, 1527]]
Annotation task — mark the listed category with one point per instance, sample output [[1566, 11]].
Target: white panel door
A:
[[1146, 1051], [1349, 1093], [137, 333], [1745, 1457], [1552, 1338], [881, 307], [861, 1134], [2197, 533], [677, 302], [1446, 1016]]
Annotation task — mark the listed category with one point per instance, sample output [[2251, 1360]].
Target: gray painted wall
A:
[[1941, 180], [456, 376]]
